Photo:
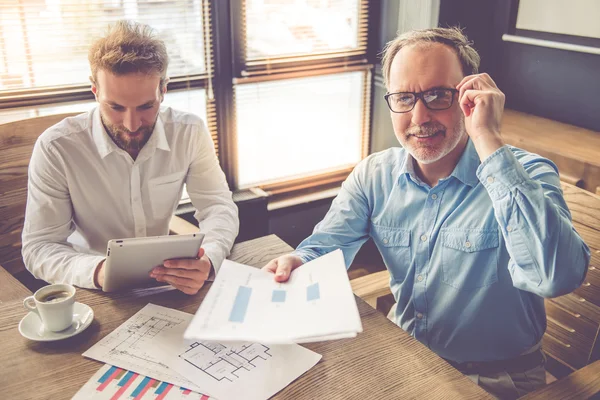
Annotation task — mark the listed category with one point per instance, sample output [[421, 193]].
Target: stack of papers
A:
[[246, 304], [151, 344]]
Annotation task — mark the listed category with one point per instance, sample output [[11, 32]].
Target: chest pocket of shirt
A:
[[394, 245], [164, 193], [469, 257]]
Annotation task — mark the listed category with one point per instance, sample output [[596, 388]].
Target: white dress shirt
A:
[[84, 190]]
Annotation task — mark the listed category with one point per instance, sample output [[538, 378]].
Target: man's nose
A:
[[420, 113], [132, 121]]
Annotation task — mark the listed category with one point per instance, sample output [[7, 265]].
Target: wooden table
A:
[[10, 288], [383, 362]]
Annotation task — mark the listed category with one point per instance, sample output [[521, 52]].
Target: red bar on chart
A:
[[164, 392], [110, 378], [187, 391], [145, 389], [204, 397], [124, 387]]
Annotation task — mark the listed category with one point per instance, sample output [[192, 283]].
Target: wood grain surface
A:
[[383, 362], [16, 145], [581, 384], [10, 288]]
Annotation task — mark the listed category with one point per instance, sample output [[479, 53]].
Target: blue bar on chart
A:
[[161, 388], [126, 378], [312, 292], [278, 296], [240, 305], [107, 374], [140, 387]]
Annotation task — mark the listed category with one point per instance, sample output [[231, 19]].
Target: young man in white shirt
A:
[[118, 171]]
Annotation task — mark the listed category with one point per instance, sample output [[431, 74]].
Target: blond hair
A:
[[452, 37], [129, 47]]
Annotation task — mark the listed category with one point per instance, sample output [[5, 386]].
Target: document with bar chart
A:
[[129, 345], [114, 383], [249, 371], [246, 304]]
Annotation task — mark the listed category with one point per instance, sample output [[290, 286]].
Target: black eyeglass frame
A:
[[418, 96]]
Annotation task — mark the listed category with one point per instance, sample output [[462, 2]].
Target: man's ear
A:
[[164, 89], [94, 87]]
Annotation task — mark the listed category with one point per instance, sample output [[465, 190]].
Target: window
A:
[[43, 52], [300, 126], [302, 91], [284, 85]]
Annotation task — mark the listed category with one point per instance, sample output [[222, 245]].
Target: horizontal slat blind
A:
[[45, 43], [279, 32], [299, 127], [301, 92]]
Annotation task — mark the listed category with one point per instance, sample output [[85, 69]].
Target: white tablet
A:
[[129, 261]]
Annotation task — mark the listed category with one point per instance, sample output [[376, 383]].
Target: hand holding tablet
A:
[[186, 274], [138, 262]]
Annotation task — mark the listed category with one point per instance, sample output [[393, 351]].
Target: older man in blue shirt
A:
[[474, 233]]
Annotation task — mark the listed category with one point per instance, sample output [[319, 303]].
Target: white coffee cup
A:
[[54, 305]]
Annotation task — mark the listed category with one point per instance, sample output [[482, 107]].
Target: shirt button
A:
[[468, 244], [419, 316], [385, 241], [423, 238], [490, 179], [509, 228], [434, 196], [420, 278]]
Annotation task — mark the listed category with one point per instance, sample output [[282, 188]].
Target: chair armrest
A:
[[581, 384], [371, 287], [179, 226]]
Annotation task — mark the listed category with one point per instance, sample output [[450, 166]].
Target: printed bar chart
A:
[[312, 292], [240, 304], [107, 378], [142, 388], [278, 296], [126, 378], [108, 374], [113, 383]]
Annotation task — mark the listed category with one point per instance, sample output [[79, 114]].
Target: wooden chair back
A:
[[572, 336], [16, 145]]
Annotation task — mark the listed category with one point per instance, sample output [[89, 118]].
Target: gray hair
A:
[[452, 37]]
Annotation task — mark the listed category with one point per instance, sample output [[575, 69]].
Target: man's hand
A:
[[482, 103], [283, 266], [185, 274], [99, 274]]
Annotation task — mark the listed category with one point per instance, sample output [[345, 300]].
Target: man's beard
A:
[[122, 136], [429, 155]]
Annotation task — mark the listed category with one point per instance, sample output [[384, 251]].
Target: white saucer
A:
[[32, 328]]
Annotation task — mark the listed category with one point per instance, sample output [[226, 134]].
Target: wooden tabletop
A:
[[383, 362], [10, 288]]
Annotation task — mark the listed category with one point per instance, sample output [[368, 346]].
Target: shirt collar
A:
[[105, 144], [465, 171], [408, 167]]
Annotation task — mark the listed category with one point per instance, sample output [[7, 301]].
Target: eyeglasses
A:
[[434, 99]]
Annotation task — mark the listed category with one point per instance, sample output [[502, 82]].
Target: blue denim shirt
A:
[[470, 259]]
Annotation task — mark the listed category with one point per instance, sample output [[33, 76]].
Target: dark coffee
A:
[[54, 297]]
